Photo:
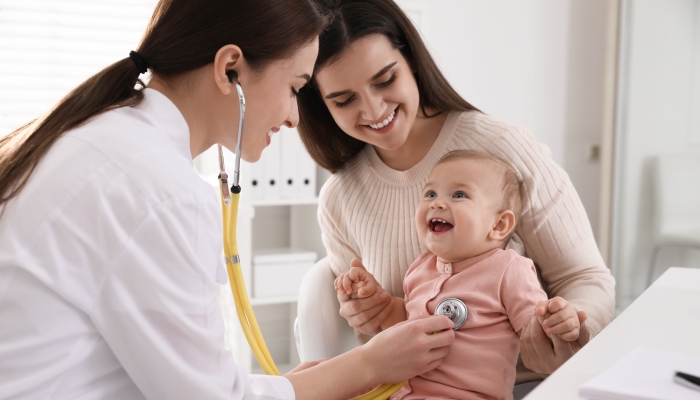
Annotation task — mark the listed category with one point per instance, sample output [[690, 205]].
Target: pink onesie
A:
[[500, 289]]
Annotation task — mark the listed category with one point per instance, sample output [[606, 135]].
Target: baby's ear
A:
[[505, 223]]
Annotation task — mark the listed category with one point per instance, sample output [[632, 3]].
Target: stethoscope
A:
[[246, 316], [229, 210]]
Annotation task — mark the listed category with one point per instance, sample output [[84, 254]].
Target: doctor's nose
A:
[[293, 119]]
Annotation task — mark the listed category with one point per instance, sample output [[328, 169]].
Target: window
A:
[[49, 47]]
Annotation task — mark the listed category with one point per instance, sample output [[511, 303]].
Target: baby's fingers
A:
[[347, 284], [338, 284], [556, 318], [541, 308], [367, 289], [556, 303], [564, 326], [569, 336]]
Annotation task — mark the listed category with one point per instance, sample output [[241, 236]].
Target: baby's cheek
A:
[[422, 231]]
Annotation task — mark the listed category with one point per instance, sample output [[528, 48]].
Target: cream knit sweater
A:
[[367, 212]]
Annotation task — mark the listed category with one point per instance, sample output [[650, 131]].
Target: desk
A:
[[665, 317]]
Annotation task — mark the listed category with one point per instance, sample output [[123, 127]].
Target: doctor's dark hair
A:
[[350, 20], [182, 36]]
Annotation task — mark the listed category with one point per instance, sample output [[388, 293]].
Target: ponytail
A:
[[182, 35], [21, 150]]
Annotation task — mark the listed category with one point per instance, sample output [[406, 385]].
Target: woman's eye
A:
[[295, 92], [459, 195], [388, 81], [341, 104]]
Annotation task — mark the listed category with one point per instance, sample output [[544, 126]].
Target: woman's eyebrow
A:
[[375, 76], [383, 71]]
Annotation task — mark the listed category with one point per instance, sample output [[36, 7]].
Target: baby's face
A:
[[458, 209]]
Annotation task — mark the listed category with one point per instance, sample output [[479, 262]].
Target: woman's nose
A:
[[293, 119], [374, 108]]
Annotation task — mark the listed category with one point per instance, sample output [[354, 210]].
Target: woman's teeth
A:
[[384, 123], [270, 133]]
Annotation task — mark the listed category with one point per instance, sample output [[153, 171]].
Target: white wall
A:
[[536, 63], [656, 119]]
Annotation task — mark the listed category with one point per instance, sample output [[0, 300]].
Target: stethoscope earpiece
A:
[[223, 176], [232, 75]]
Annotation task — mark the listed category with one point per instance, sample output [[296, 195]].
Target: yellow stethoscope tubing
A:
[[244, 310], [246, 316]]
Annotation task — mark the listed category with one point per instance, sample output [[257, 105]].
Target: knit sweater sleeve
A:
[[335, 235], [554, 226]]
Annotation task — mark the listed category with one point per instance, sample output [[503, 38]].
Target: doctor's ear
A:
[[229, 67]]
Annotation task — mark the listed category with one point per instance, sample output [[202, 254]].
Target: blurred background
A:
[[612, 87]]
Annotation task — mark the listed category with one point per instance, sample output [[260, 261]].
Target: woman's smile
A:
[[386, 124]]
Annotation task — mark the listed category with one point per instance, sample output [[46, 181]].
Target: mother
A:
[[379, 114]]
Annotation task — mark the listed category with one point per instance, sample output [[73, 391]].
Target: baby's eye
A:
[[430, 194], [459, 195]]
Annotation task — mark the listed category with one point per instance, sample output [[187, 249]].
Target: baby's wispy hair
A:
[[512, 188]]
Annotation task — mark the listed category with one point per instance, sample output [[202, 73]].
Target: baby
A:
[[469, 210]]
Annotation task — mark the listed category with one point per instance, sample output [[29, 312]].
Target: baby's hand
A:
[[558, 317], [357, 283]]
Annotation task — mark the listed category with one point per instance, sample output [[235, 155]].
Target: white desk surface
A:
[[665, 317]]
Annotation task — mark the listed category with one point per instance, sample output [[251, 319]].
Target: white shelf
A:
[[285, 202]]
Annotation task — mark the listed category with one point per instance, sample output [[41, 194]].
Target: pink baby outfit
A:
[[500, 289]]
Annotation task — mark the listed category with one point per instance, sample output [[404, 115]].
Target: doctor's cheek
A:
[[293, 118]]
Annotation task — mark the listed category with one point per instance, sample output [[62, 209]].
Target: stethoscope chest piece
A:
[[455, 309]]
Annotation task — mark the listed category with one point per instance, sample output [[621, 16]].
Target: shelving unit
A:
[[266, 224]]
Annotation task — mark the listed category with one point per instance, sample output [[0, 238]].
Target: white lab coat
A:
[[110, 264]]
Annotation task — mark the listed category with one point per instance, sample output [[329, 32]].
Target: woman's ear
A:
[[229, 58], [505, 223]]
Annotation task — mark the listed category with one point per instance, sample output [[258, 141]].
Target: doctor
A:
[[110, 243]]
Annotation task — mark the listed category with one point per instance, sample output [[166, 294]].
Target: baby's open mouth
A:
[[438, 225]]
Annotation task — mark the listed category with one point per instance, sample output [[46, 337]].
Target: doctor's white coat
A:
[[110, 264]]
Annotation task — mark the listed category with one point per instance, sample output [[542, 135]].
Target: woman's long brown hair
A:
[[351, 20], [182, 35]]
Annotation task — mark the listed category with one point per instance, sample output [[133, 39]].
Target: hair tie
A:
[[139, 61]]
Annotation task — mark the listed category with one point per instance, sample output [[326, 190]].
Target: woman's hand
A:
[[409, 349], [543, 354], [366, 314]]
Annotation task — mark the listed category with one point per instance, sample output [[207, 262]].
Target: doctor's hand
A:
[[543, 354], [366, 314], [409, 348], [307, 364]]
